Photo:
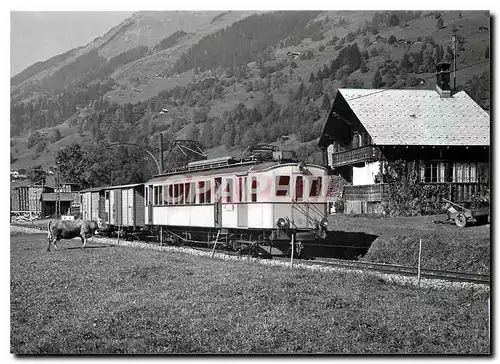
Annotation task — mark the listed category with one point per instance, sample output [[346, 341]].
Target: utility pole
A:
[[454, 40], [161, 152], [58, 202]]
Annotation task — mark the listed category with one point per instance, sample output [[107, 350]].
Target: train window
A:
[[155, 196], [188, 193], [181, 193], [208, 196], [160, 194], [240, 189], [228, 190], [170, 194], [299, 188], [282, 185], [200, 192], [150, 195], [253, 189], [165, 195], [175, 195], [315, 190]]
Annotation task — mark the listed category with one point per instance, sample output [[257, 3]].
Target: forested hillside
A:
[[234, 87]]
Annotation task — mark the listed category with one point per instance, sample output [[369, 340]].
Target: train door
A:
[[131, 217], [118, 206], [218, 203], [149, 198], [242, 199]]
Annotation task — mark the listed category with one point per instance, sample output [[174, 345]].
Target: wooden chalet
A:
[[444, 137]]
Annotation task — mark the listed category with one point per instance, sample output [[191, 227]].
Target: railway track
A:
[[369, 266], [404, 270]]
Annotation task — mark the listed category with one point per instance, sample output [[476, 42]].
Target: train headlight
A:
[[281, 223]]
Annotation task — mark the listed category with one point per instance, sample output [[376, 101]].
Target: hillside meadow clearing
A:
[[116, 299]]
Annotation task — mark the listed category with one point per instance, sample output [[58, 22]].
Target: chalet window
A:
[[299, 188], [439, 172], [315, 189], [282, 185], [465, 172], [253, 189]]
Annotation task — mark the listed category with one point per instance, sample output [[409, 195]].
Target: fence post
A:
[[419, 261], [215, 244], [293, 248]]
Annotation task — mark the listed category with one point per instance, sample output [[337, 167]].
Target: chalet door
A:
[[218, 203]]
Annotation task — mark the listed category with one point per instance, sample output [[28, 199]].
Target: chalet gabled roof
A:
[[419, 117]]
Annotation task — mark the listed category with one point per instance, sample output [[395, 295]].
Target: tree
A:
[[326, 103], [113, 134], [392, 39], [55, 135], [389, 79], [377, 79], [439, 23], [36, 174], [362, 67], [394, 20], [366, 41], [192, 132]]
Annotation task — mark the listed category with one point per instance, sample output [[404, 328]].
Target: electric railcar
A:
[[240, 203]]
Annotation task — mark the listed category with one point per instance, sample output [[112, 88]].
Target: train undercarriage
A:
[[257, 243]]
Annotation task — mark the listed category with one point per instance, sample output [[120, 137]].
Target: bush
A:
[[407, 197]]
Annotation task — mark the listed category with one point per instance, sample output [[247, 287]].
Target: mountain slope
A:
[[264, 96]]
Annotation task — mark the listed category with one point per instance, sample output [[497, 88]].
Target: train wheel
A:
[[461, 220]]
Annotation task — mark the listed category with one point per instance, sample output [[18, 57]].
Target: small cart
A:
[[461, 215]]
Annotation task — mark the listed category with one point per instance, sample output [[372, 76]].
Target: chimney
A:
[[443, 71]]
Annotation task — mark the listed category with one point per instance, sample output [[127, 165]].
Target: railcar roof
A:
[[259, 167], [123, 186]]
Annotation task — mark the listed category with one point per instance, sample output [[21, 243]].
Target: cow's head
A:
[[101, 225]]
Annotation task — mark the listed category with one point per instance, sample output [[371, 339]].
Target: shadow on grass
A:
[[342, 245], [88, 247]]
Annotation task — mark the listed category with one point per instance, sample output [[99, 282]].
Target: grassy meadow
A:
[[114, 299]]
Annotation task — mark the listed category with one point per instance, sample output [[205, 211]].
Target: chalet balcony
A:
[[456, 191], [366, 193], [356, 155]]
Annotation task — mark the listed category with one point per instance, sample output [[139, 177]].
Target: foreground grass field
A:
[[109, 299]]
